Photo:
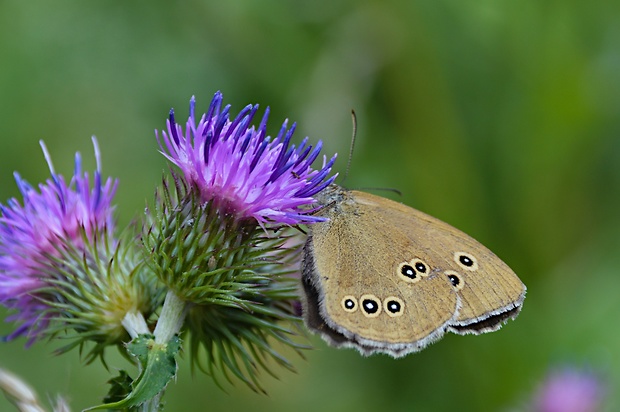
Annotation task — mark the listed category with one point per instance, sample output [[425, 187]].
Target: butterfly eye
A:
[[455, 278], [420, 267], [394, 306], [371, 305], [411, 271], [407, 272], [349, 304], [466, 261]]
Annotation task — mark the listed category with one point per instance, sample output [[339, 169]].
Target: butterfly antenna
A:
[[384, 189], [354, 120]]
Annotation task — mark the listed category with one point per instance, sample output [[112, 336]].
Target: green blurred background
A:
[[499, 117]]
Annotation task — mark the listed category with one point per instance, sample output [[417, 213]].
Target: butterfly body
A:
[[380, 276]]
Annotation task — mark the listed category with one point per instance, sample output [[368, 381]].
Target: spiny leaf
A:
[[158, 367], [120, 387]]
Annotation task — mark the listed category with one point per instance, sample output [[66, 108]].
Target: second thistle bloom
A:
[[61, 265], [241, 169], [32, 234]]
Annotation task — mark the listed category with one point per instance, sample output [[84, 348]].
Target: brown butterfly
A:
[[382, 277]]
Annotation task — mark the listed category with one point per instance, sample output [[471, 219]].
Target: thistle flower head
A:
[[218, 238], [241, 169], [56, 257]]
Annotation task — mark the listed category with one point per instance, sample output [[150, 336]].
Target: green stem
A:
[[169, 324], [171, 318], [152, 405]]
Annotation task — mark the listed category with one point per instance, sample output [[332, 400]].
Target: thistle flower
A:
[[218, 237], [570, 390], [61, 266]]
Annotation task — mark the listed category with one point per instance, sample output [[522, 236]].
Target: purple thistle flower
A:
[[570, 390], [34, 234], [241, 169], [204, 239]]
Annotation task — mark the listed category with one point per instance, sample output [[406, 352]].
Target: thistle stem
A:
[[151, 405], [134, 324], [171, 318], [169, 324]]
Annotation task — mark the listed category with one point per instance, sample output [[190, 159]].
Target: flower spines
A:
[[91, 289], [241, 341], [205, 256]]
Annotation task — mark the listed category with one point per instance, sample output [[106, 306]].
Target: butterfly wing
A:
[[490, 292], [361, 286]]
